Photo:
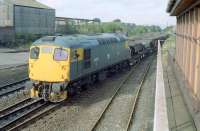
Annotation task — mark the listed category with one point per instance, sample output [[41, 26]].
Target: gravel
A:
[[14, 58], [117, 116], [82, 111], [13, 99], [13, 75], [10, 76]]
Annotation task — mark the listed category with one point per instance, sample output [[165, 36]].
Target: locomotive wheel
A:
[[55, 98], [72, 91]]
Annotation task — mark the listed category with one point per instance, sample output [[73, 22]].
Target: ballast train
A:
[[60, 65]]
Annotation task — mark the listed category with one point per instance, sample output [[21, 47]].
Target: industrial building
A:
[[187, 56], [26, 17], [61, 24]]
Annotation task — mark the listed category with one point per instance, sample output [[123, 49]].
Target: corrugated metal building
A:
[[33, 17], [6, 20], [27, 17], [7, 35], [187, 41]]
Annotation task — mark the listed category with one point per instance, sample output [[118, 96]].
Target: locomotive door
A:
[[87, 58], [77, 57]]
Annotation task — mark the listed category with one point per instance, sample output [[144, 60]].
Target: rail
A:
[[4, 67], [7, 120], [135, 100], [11, 88]]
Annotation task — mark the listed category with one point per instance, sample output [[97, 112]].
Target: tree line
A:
[[108, 27]]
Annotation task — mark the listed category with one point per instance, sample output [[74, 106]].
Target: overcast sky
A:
[[142, 12]]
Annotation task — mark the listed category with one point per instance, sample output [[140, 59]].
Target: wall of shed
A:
[[7, 35], [34, 20], [188, 48]]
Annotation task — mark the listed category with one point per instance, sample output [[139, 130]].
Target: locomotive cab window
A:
[[34, 53], [87, 57], [60, 54]]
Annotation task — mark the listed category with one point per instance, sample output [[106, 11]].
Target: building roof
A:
[[30, 3], [170, 5], [176, 7], [68, 18]]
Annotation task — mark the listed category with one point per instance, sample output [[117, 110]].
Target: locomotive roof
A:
[[80, 41]]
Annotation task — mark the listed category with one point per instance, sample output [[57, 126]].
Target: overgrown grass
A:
[[168, 45], [170, 42]]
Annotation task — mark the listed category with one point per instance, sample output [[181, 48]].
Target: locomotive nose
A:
[[51, 65]]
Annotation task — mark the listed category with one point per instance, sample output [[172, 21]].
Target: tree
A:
[[169, 29], [105, 27], [70, 28], [112, 27], [97, 20], [117, 20]]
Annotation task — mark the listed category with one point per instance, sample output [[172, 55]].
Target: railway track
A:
[[9, 109], [2, 67], [12, 115], [11, 88], [137, 96], [23, 113], [19, 115], [94, 127]]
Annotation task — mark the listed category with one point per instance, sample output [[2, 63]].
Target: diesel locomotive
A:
[[60, 65]]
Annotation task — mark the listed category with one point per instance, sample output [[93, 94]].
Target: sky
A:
[[141, 12]]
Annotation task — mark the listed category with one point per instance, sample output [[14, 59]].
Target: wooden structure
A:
[[187, 41]]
